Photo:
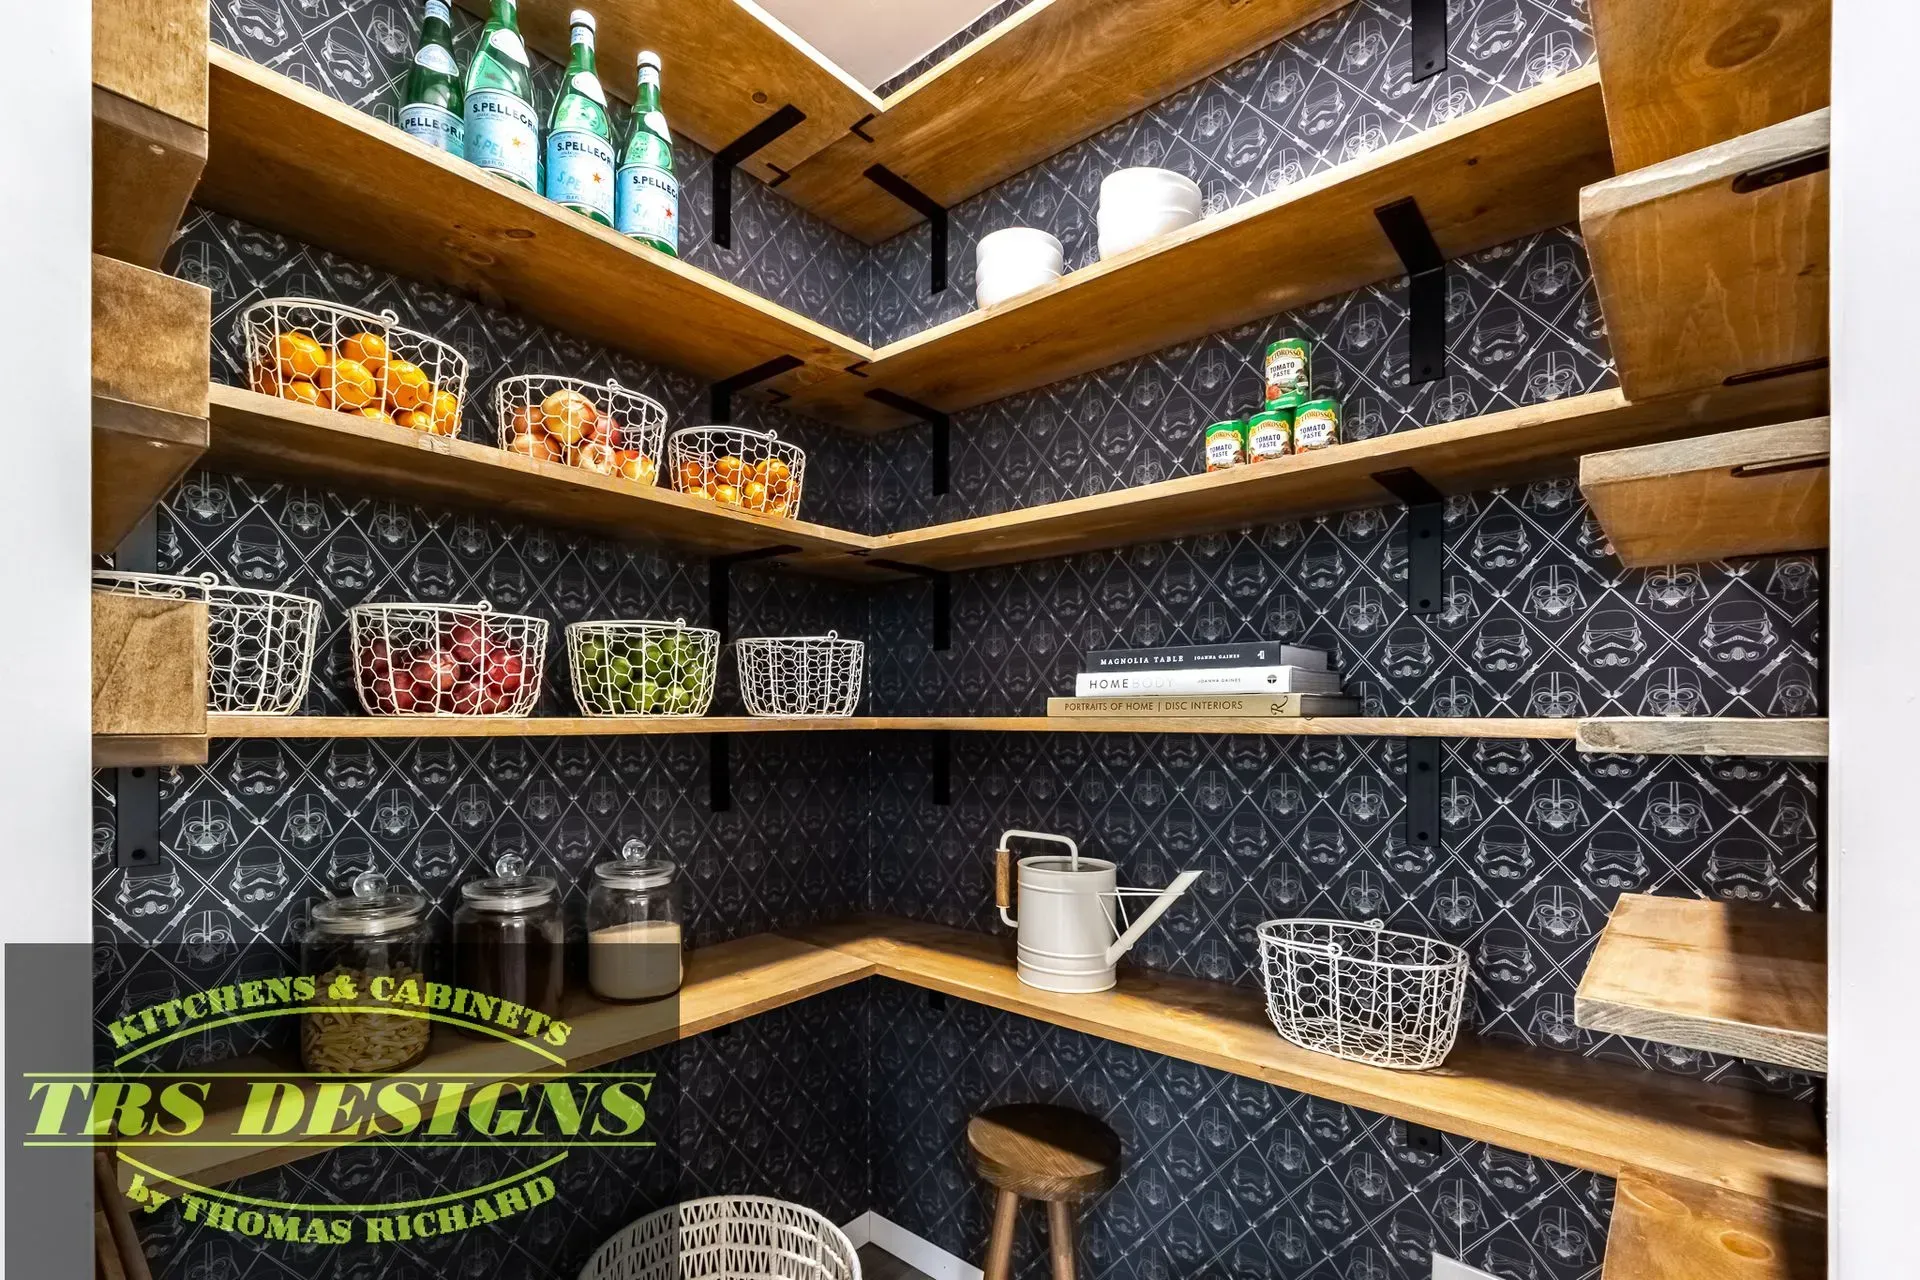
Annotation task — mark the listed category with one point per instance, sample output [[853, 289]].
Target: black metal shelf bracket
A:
[[1426, 535], [942, 598], [1423, 792], [719, 773], [1429, 21], [941, 452], [927, 207], [720, 394], [136, 790], [942, 766], [736, 153], [1413, 240]]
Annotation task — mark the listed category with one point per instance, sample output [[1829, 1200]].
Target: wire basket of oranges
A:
[[446, 659], [598, 426], [642, 668], [753, 471], [353, 361]]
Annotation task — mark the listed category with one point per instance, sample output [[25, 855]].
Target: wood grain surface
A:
[[1787, 739], [1043, 1152], [1665, 1228], [149, 666], [149, 122]]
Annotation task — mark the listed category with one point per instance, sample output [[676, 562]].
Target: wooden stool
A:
[[1036, 1152]]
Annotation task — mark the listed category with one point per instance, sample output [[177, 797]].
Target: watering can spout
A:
[[1168, 896]]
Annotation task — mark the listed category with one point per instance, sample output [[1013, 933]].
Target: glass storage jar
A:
[[361, 951], [633, 927], [509, 939]]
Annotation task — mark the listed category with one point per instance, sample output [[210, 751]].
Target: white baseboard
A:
[[920, 1254]]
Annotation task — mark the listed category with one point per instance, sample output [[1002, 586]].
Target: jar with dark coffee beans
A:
[[509, 938]]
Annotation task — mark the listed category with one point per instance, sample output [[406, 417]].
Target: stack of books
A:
[[1257, 678]]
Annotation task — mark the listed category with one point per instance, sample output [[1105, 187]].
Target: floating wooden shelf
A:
[[1592, 1115], [1712, 266], [1792, 739], [1723, 977], [1667, 1228], [149, 681], [1484, 179], [1744, 493], [1681, 77], [253, 433], [149, 391], [149, 122], [288, 158]]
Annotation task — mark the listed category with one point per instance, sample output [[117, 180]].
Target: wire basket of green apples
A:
[[642, 668]]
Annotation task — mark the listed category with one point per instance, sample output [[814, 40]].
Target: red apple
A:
[[505, 671], [435, 672], [465, 697], [464, 642], [377, 657]]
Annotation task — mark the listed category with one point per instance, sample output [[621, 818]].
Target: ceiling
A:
[[873, 39]]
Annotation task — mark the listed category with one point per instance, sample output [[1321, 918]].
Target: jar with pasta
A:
[[367, 956]]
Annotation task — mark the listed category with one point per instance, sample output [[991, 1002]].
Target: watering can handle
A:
[[1002, 878]]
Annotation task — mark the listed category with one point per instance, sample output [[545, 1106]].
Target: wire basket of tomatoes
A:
[[800, 675], [353, 361], [753, 471], [642, 668], [446, 659], [259, 643], [598, 426]]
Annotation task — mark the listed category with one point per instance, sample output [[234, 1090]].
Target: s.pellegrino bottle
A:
[[434, 109], [579, 139], [503, 131], [648, 207]]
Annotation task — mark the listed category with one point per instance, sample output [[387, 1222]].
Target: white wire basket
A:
[[800, 675], [598, 426], [259, 643], [354, 361], [446, 659], [642, 668], [754, 471], [1363, 992], [727, 1238]]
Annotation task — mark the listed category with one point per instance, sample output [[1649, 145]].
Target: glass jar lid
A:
[[373, 911], [510, 888], [633, 869]]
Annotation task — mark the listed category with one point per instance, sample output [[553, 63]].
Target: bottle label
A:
[[503, 136], [580, 171], [508, 42], [435, 58], [587, 85], [439, 9], [649, 204], [438, 127], [656, 122]]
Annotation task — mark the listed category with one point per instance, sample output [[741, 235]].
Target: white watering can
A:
[[1069, 929]]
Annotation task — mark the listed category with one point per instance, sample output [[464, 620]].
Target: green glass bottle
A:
[[435, 106], [648, 203], [503, 131], [579, 139]]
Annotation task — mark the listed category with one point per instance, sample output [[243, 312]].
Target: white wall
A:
[[873, 39], [1874, 852]]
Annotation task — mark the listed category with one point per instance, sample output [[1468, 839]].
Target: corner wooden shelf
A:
[[1681, 77], [1742, 493], [1723, 977], [1789, 739], [149, 681], [1712, 266], [1501, 172], [149, 122], [149, 391], [1593, 1115], [1667, 1228], [296, 161], [259, 434]]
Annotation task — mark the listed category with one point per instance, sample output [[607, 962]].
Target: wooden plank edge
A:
[[1786, 739], [1778, 443], [1668, 1228], [1720, 162], [128, 750], [1782, 1047]]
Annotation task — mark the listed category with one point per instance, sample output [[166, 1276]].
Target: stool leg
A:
[[1060, 1237], [1006, 1208]]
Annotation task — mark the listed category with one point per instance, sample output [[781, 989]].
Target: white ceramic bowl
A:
[[1138, 205], [1014, 261]]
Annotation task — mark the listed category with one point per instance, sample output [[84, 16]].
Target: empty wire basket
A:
[[599, 426], [1363, 992], [727, 1238], [642, 668], [800, 675], [446, 659], [259, 643]]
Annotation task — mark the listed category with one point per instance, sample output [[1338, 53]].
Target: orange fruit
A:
[[375, 412], [298, 356], [567, 415], [446, 412], [776, 471], [300, 389], [633, 464], [779, 507], [649, 472], [754, 495], [407, 385], [416, 419], [265, 379], [348, 383], [364, 347], [727, 494], [693, 477], [537, 445], [730, 469]]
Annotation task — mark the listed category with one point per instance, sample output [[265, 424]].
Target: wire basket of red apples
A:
[[752, 471], [354, 361], [597, 426], [446, 659]]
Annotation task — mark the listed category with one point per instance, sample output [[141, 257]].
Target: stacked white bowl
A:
[[1138, 205], [1013, 261]]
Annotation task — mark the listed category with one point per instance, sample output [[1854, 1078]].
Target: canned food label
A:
[[1223, 446], [1288, 368], [1316, 428], [1267, 437], [649, 204], [503, 136], [580, 171], [438, 127]]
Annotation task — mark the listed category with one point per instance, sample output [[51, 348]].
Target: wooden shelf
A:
[[1592, 1115], [1744, 493], [1723, 977], [1681, 77], [1796, 739], [1709, 272], [1667, 1228], [258, 434], [1501, 172], [149, 122], [149, 391], [149, 681], [288, 158]]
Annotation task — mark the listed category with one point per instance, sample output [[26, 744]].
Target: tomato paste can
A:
[[1289, 368], [1270, 432], [1316, 425], [1225, 445]]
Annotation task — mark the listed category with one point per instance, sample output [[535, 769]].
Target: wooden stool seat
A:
[[1038, 1152]]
